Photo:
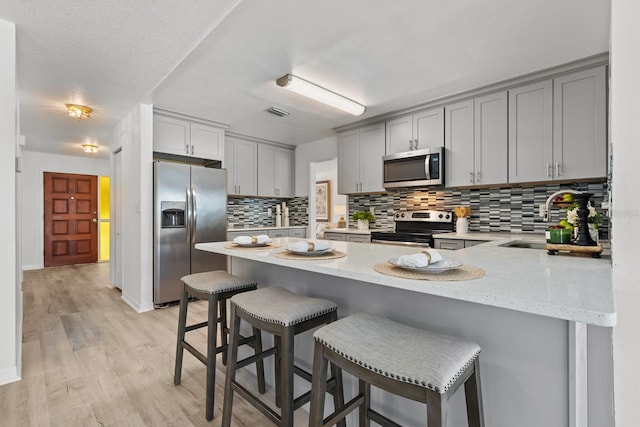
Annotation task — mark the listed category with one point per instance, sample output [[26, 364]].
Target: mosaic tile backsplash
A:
[[512, 209], [252, 212]]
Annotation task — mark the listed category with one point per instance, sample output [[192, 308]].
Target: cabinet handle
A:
[[478, 176], [548, 170], [557, 168], [471, 177], [192, 150], [410, 144], [186, 148], [415, 144]]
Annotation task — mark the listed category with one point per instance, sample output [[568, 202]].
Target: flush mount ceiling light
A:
[[90, 148], [313, 91], [79, 111]]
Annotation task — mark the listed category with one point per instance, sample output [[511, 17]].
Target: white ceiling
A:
[[219, 59]]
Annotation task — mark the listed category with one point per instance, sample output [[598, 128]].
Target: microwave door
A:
[[427, 167]]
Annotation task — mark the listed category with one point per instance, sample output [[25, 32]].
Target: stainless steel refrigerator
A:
[[190, 206]]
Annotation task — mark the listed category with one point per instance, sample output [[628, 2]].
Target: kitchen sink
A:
[[527, 244]]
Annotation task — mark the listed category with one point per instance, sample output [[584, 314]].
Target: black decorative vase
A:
[[584, 237]]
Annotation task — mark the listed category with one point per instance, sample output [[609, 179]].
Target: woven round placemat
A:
[[291, 255], [267, 246], [466, 272]]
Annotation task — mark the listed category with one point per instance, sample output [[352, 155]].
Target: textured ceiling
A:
[[386, 55]]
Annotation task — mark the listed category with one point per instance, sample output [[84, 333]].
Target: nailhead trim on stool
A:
[[395, 354], [216, 287]]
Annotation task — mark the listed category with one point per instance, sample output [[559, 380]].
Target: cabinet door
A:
[[459, 168], [266, 171], [452, 245], [349, 162], [399, 134], [284, 163], [207, 142], [170, 135], [428, 128], [245, 167], [229, 164], [530, 132], [371, 152], [490, 140], [579, 125]]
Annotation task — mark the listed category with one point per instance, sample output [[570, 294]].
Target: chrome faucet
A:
[[550, 199]]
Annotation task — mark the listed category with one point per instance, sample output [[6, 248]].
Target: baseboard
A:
[[9, 375], [140, 308], [31, 267]]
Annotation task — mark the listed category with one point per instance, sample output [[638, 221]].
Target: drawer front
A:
[[469, 243], [341, 237], [449, 244], [278, 233], [358, 238], [297, 232]]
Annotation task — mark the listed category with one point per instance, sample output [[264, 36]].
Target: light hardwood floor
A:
[[90, 360]]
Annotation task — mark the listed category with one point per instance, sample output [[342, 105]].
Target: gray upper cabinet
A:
[[476, 141], [579, 125], [490, 139], [241, 162], [415, 131], [360, 154], [530, 132], [172, 135], [275, 167]]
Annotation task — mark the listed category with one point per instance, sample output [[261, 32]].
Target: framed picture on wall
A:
[[323, 200]]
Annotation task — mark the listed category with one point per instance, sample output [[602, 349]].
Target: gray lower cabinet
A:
[[341, 237], [280, 232], [298, 232], [271, 232], [455, 244]]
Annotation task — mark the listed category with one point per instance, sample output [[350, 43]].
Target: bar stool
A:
[[216, 287], [284, 314], [408, 362]]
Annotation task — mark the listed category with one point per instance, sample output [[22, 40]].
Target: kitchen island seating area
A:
[[216, 287], [412, 363], [283, 314]]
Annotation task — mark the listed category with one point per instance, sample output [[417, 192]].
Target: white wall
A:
[[10, 296], [625, 141], [33, 167], [328, 171], [316, 151], [134, 135]]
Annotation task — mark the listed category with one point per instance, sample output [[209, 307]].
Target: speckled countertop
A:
[[527, 280]]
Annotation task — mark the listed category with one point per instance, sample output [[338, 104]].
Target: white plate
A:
[[436, 267], [312, 253], [252, 245]]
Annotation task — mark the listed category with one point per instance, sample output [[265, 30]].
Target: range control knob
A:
[[440, 216], [447, 217], [402, 215]]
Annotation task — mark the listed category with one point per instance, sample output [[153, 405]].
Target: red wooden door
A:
[[70, 219]]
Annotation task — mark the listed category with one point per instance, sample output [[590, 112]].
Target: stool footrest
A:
[[196, 326], [197, 354], [262, 407], [302, 373], [256, 357], [344, 411], [381, 419]]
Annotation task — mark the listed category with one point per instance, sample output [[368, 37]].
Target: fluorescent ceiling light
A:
[[313, 91]]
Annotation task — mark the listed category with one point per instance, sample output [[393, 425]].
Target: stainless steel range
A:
[[415, 228]]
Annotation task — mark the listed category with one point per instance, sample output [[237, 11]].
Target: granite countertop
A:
[[527, 280]]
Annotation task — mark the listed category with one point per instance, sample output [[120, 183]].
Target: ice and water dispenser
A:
[[173, 214]]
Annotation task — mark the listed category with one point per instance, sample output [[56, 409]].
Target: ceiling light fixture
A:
[[79, 111], [90, 148], [313, 91]]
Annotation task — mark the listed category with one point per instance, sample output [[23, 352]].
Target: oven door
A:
[[397, 243], [418, 240]]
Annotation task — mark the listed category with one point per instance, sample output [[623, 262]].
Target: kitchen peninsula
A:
[[531, 313]]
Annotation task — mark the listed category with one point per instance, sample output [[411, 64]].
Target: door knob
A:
[[94, 220]]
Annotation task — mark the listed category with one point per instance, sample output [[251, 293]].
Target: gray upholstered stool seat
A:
[[284, 314], [216, 287], [410, 362]]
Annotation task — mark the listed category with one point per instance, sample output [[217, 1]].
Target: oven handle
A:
[[391, 242]]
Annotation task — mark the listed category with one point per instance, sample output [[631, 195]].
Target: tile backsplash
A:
[[252, 212], [492, 209]]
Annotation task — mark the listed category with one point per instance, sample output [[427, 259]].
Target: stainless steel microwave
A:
[[418, 168]]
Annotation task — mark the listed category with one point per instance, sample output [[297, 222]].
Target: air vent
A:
[[278, 112]]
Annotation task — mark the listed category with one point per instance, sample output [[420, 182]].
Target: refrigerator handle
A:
[[194, 214], [189, 213]]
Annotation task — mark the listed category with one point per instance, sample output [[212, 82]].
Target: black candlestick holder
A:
[[584, 237]]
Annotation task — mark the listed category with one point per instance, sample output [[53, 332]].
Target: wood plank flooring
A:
[[90, 360]]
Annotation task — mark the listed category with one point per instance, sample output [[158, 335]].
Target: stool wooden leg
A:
[[286, 377], [223, 328], [363, 411], [212, 333], [436, 409], [231, 368], [277, 368], [318, 387], [182, 324], [338, 392], [257, 347], [473, 395]]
